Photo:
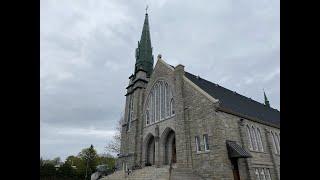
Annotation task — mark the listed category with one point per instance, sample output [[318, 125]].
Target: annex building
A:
[[174, 117]]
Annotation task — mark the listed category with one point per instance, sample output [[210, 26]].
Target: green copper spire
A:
[[266, 101], [144, 57]]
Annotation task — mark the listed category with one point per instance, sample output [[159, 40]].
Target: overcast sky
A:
[[87, 54]]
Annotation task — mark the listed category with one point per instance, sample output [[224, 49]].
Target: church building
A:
[[174, 118]]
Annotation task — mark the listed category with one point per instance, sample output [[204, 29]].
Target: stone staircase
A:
[[184, 174], [153, 173], [146, 173]]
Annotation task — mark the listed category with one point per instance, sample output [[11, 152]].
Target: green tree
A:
[[90, 157], [41, 162], [56, 161], [79, 165], [66, 172], [47, 170]]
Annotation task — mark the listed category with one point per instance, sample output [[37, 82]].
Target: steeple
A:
[[144, 57], [266, 101]]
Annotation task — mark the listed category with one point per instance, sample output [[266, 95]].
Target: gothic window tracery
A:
[[260, 145], [249, 137], [276, 142], [167, 100], [254, 138], [162, 99], [160, 103]]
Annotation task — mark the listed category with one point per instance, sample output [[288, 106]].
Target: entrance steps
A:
[[184, 174], [146, 173], [153, 173]]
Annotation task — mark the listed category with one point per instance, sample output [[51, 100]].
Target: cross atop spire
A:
[[147, 9], [266, 101]]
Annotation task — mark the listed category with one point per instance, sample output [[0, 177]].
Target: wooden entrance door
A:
[[235, 169]]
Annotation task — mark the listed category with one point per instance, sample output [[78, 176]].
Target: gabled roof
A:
[[237, 103]]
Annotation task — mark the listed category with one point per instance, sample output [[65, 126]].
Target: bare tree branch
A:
[[114, 145]]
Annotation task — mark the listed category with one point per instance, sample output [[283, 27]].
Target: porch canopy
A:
[[236, 151]]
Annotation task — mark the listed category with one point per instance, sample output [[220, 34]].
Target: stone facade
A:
[[196, 114]]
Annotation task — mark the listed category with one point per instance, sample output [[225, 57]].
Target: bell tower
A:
[[131, 133]]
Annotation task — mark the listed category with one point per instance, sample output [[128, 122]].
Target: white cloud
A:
[[86, 132], [87, 54]]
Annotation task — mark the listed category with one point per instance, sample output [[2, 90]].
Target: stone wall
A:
[[196, 114], [158, 129], [265, 159]]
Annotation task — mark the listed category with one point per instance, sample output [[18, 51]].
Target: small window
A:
[[198, 147], [257, 174], [172, 107], [206, 143], [147, 117], [267, 173], [263, 176]]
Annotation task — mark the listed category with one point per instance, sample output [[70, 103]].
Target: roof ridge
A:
[[234, 92]]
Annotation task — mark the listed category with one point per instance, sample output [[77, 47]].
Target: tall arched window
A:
[[167, 100], [162, 100], [277, 142], [274, 143], [160, 103], [148, 113], [254, 138], [152, 108], [130, 111], [260, 145], [249, 138]]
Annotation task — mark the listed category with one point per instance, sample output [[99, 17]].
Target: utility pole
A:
[[87, 169]]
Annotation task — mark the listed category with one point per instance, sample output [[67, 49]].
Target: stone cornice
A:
[[131, 91], [143, 80]]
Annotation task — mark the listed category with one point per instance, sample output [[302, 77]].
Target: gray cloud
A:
[[87, 54]]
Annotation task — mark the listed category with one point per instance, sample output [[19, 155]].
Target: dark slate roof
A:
[[237, 103], [236, 151]]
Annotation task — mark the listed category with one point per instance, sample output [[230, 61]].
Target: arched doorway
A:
[[150, 151], [170, 154]]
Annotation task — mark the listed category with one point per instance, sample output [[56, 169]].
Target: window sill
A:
[[256, 151], [203, 152]]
